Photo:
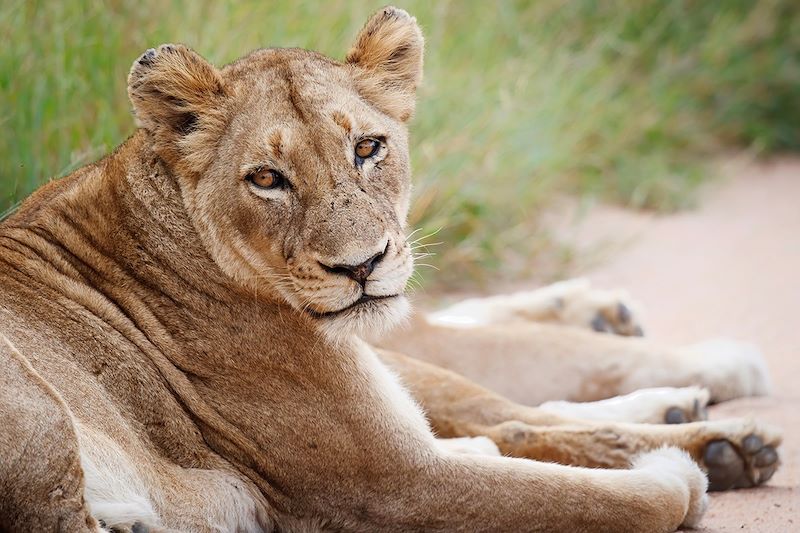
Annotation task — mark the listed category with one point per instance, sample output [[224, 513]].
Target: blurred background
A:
[[523, 102]]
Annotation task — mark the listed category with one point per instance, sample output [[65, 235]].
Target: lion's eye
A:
[[266, 178], [367, 148]]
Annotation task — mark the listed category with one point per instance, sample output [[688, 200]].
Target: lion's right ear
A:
[[387, 61], [174, 93]]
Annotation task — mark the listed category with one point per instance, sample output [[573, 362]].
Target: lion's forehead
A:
[[297, 93], [297, 75]]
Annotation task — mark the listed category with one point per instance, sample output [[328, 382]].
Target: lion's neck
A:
[[148, 225], [120, 228], [122, 214]]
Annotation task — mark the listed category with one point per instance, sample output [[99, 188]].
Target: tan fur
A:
[[457, 407], [534, 362], [179, 348]]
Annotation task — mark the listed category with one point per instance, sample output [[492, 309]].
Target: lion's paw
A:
[[661, 405], [730, 369], [571, 303], [746, 457], [689, 406], [577, 303]]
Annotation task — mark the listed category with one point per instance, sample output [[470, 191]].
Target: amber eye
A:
[[366, 148], [266, 178]]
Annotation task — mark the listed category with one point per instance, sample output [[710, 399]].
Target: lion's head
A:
[[294, 168]]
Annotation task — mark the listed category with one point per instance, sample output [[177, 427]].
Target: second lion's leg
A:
[[569, 303], [735, 453], [532, 363], [659, 405]]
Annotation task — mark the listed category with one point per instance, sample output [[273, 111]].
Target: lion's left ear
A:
[[387, 57], [174, 93]]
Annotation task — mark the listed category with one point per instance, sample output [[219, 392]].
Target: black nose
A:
[[359, 273]]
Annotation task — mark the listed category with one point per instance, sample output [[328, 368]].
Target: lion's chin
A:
[[368, 320]]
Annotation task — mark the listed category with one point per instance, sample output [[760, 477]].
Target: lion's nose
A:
[[359, 273]]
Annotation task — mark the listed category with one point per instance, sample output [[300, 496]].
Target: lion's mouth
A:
[[364, 300]]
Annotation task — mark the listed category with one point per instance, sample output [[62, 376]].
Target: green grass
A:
[[622, 100]]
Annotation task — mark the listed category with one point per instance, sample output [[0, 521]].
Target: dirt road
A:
[[730, 268]]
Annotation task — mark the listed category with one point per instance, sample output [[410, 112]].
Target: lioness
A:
[[181, 325]]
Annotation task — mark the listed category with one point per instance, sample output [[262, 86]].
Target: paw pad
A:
[[678, 415], [675, 415], [138, 527], [617, 319], [731, 466]]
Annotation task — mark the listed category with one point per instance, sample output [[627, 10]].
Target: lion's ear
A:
[[173, 91], [387, 57]]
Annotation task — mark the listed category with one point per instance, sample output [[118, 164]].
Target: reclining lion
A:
[[181, 325]]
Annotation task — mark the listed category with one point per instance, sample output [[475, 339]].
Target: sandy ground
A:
[[729, 268]]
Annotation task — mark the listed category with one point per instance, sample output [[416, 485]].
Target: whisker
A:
[[425, 244], [413, 232], [431, 234], [413, 284]]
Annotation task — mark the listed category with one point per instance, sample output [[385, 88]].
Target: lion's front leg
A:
[[660, 405], [735, 453], [41, 479]]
